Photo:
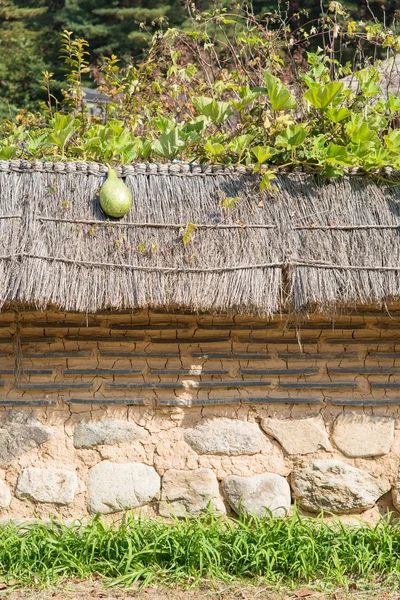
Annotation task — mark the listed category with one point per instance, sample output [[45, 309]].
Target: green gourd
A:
[[115, 196]]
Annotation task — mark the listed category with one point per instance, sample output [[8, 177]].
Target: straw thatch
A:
[[314, 245]]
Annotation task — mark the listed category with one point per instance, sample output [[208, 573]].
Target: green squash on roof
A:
[[115, 196]]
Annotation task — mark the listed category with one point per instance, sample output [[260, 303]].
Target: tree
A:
[[20, 64], [121, 27]]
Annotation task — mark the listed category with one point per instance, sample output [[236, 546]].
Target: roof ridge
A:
[[170, 169]]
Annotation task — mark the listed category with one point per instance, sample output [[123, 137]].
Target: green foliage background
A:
[[30, 32], [228, 86]]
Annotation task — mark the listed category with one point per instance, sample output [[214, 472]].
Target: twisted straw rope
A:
[[170, 169], [274, 265]]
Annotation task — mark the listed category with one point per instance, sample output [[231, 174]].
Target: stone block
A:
[[363, 435], [115, 487], [396, 491], [89, 434], [19, 432], [56, 486], [334, 486], [260, 495], [298, 436], [190, 492], [225, 436], [5, 495]]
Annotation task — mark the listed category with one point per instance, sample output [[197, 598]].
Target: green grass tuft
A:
[[137, 549]]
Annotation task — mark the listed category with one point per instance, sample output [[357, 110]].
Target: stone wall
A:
[[171, 412]]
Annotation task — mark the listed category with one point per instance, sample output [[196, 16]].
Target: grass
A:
[[287, 551]]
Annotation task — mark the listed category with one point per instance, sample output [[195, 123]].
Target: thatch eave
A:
[[315, 245]]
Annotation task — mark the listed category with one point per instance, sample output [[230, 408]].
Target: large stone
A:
[[225, 436], [114, 487], [363, 435], [189, 492], [19, 432], [56, 486], [396, 491], [88, 434], [334, 486], [5, 495], [261, 495], [298, 436]]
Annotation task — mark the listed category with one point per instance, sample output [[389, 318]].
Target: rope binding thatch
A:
[[313, 245]]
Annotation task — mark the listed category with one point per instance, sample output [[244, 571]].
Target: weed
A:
[[138, 549]]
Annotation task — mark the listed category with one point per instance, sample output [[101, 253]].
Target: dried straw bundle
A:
[[58, 248]]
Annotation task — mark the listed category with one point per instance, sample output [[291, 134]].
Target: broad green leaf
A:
[[292, 136], [359, 131], [145, 148], [198, 124], [368, 80], [8, 152], [240, 143], [392, 141], [164, 124], [394, 102], [322, 95], [214, 149], [262, 153], [169, 144], [377, 122], [376, 159], [214, 110], [63, 128], [279, 95], [245, 101], [336, 115], [339, 154]]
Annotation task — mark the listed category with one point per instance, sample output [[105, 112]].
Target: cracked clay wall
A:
[[173, 411]]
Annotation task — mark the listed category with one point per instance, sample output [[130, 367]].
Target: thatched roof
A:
[[313, 245]]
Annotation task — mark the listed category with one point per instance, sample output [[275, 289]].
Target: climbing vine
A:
[[233, 90]]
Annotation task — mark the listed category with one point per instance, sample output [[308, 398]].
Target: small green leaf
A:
[[338, 154], [392, 141], [228, 203], [336, 115], [394, 102], [292, 136], [368, 80], [322, 95], [214, 149], [169, 144], [265, 183], [359, 131], [239, 144], [216, 111], [190, 228], [245, 100], [278, 94], [262, 153]]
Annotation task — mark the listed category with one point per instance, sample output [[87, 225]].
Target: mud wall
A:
[[170, 412]]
